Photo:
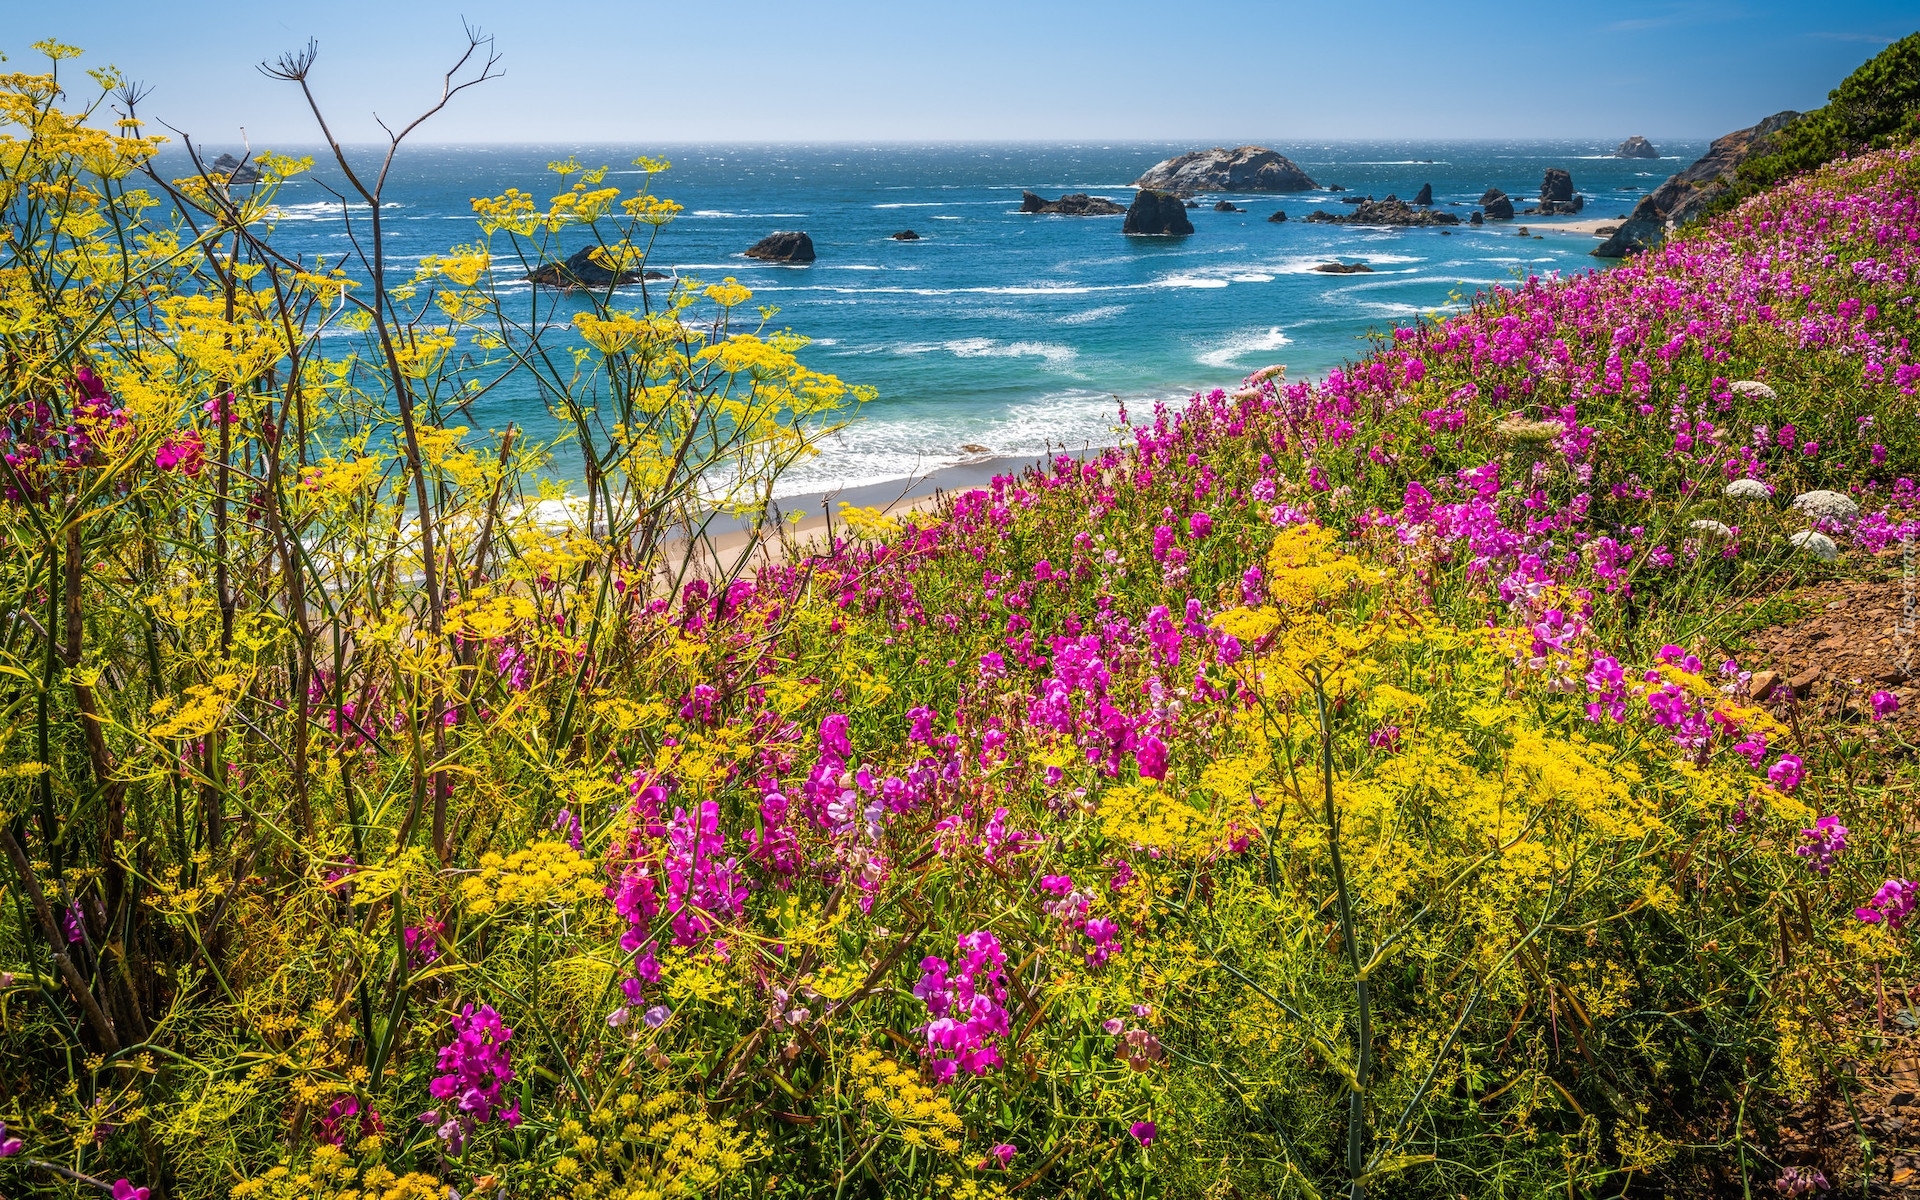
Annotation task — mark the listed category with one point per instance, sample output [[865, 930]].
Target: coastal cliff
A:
[[1689, 193]]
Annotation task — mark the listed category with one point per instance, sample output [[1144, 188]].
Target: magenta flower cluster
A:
[[968, 1004], [476, 1065], [1893, 903], [1825, 842]]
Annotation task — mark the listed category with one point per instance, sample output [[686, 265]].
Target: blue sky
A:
[[640, 71]]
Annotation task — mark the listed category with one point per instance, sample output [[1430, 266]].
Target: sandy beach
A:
[[1585, 227], [729, 540]]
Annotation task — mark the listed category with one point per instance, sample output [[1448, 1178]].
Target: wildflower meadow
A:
[[1353, 787]]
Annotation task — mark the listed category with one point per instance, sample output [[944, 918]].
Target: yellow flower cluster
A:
[[330, 1176], [545, 872], [1305, 566], [646, 1150], [485, 617], [894, 1095], [335, 478], [204, 709], [1151, 817]]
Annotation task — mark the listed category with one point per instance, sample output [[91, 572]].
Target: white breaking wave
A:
[[1055, 356], [321, 210], [1392, 309], [1239, 345], [881, 447], [1091, 315], [1013, 290]]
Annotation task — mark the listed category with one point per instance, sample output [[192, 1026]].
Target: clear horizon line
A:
[[855, 143]]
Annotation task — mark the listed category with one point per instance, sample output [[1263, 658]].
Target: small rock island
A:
[[1243, 169], [1157, 214], [1074, 204], [582, 271], [1391, 211], [785, 246]]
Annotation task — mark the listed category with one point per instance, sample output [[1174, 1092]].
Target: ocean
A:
[[1015, 332]]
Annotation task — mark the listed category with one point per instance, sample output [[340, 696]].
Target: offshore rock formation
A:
[[1074, 204], [1557, 196], [1425, 198], [1496, 204], [1279, 214], [1684, 195], [580, 271], [230, 170], [1157, 213], [1340, 268], [786, 246], [1391, 211], [906, 235], [1245, 169], [1227, 206], [1636, 147]]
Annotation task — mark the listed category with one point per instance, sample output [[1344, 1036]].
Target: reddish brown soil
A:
[[1858, 641], [1859, 637]]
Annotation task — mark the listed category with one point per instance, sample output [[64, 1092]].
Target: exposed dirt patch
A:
[[1880, 1127], [1859, 639]]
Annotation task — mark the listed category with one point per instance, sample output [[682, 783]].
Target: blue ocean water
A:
[[1017, 332]]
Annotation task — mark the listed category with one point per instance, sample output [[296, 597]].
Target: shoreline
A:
[[730, 543], [1590, 226]]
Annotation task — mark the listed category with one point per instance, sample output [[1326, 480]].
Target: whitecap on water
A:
[[1091, 315], [1056, 356], [916, 440], [320, 210], [1241, 344], [1388, 309]]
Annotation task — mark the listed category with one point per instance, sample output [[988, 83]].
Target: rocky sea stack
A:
[[1497, 205], [906, 235], [1425, 198], [1557, 197], [1692, 190], [1636, 147], [1157, 213], [581, 271], [1074, 204], [1244, 169], [230, 170], [1391, 211], [787, 246]]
